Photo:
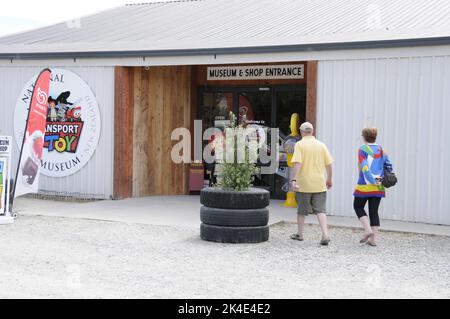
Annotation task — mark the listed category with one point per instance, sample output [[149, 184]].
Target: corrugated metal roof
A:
[[168, 27]]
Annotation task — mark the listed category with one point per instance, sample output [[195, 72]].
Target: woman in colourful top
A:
[[371, 160]]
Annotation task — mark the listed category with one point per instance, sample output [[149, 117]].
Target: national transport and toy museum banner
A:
[[72, 126], [257, 72]]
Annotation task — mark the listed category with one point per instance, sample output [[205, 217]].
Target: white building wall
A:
[[95, 179], [408, 99]]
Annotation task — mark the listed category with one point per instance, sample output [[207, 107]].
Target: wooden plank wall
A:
[[123, 132], [149, 105], [162, 102]]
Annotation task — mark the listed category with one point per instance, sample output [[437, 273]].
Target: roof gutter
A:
[[233, 50]]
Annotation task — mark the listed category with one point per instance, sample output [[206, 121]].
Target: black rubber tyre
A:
[[253, 198], [234, 217], [235, 235]]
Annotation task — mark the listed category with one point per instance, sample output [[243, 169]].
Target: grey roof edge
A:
[[157, 2], [232, 50]]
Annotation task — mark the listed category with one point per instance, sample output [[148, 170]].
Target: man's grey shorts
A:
[[311, 203]]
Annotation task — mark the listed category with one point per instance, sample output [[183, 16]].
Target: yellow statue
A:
[[289, 145]]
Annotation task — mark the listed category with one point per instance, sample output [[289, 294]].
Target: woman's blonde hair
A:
[[370, 134]]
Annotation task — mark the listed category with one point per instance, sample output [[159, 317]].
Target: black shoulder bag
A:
[[389, 177]]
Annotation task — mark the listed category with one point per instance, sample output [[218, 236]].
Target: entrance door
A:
[[268, 106], [255, 107]]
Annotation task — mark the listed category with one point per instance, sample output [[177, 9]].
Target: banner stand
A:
[[5, 153]]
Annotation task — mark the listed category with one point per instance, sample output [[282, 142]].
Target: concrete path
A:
[[184, 211]]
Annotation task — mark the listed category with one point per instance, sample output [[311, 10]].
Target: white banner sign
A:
[[257, 72], [5, 172], [5, 145]]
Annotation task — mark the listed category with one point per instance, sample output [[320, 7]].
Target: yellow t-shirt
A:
[[314, 156]]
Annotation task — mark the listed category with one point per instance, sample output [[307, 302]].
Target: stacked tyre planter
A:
[[229, 216]]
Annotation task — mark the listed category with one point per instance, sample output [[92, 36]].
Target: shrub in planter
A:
[[233, 211]]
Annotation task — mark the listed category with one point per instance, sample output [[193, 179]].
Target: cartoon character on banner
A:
[[63, 105], [52, 115], [74, 114]]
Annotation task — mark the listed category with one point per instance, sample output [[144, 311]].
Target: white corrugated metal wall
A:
[[408, 99], [95, 179]]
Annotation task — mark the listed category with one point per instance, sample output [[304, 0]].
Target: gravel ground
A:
[[75, 258]]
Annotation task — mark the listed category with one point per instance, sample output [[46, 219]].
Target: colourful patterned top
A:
[[370, 166]]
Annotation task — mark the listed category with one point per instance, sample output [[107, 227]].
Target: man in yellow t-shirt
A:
[[311, 160]]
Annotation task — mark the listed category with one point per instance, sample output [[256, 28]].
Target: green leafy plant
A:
[[238, 167]]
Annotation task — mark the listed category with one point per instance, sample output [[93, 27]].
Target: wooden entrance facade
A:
[[150, 103]]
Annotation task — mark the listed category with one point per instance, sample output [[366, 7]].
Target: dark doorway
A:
[[267, 106]]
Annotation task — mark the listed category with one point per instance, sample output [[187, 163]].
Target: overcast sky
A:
[[22, 15]]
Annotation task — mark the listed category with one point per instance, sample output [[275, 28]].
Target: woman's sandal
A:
[[365, 238], [297, 237], [371, 243]]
